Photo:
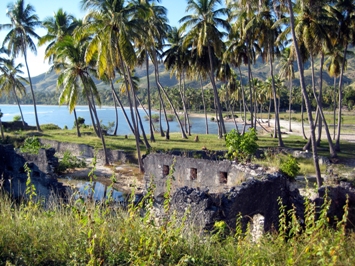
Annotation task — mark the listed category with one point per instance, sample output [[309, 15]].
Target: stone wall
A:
[[17, 125], [215, 190], [85, 151], [213, 175], [42, 166]]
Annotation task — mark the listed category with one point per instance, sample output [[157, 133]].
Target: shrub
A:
[[290, 167], [80, 120], [70, 161], [241, 147], [31, 145], [50, 127], [155, 118], [16, 118], [170, 117]]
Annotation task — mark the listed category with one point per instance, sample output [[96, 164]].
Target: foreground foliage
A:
[[86, 232]]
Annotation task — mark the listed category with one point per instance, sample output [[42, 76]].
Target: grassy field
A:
[[86, 233]]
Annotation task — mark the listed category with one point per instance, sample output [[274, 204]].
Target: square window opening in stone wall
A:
[[166, 170], [193, 173], [223, 177]]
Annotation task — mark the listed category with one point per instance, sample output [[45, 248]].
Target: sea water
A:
[[61, 116]]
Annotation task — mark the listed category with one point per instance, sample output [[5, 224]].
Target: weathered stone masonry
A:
[[222, 190], [216, 176]]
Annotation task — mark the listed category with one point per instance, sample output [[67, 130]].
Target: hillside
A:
[[45, 84], [47, 81]]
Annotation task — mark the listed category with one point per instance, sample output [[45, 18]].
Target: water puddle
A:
[[95, 190]]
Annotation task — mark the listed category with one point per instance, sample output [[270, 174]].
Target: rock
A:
[[42, 170], [302, 154], [254, 197]]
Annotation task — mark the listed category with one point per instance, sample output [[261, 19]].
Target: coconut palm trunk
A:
[[116, 115], [320, 114], [31, 88], [135, 125], [220, 121], [251, 96], [305, 95], [186, 114], [160, 88], [302, 118], [19, 106], [243, 100], [117, 99], [151, 126], [204, 104], [277, 117], [101, 135], [335, 106], [289, 104], [77, 124], [340, 92]]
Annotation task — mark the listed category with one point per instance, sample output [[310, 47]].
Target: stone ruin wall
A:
[[222, 190], [87, 151], [42, 166], [212, 175]]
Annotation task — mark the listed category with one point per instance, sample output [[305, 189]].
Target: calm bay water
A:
[[60, 116]]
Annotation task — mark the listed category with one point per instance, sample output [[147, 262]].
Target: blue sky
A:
[[176, 10]]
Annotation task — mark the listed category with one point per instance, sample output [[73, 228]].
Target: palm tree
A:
[[113, 28], [287, 71], [237, 54], [75, 74], [204, 31], [19, 38], [155, 28], [312, 31], [343, 11], [58, 26], [12, 82], [267, 33], [289, 5], [334, 63], [175, 59]]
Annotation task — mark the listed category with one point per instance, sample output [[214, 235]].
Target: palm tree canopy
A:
[[10, 78], [23, 22], [58, 26], [75, 72], [204, 24]]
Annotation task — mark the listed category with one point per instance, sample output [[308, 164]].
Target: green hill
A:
[[45, 84]]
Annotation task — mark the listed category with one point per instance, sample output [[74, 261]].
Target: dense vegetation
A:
[[86, 232]]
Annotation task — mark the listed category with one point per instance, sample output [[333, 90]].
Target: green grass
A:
[[84, 233], [176, 142]]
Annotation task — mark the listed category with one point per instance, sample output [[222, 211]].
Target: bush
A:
[[241, 147], [50, 127], [290, 167], [31, 145], [70, 161], [170, 117], [80, 120], [155, 118], [16, 118]]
